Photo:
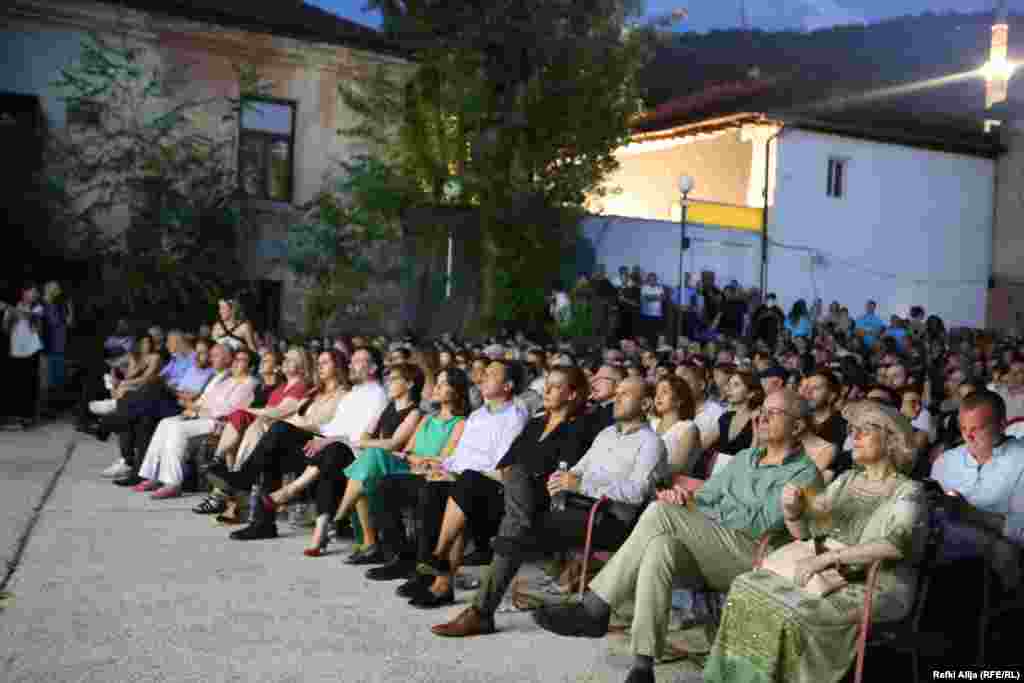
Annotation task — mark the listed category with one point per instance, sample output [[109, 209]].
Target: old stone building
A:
[[287, 143]]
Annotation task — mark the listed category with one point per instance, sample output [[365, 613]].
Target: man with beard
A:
[[821, 391]]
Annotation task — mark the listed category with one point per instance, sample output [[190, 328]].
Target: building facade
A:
[[849, 214], [289, 141]]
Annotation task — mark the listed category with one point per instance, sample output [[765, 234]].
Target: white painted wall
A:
[[914, 227], [654, 246]]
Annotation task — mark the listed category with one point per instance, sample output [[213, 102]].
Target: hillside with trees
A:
[[797, 69]]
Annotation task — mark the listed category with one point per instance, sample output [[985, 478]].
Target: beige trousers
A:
[[670, 546]]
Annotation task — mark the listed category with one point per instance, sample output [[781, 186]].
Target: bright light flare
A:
[[998, 69]]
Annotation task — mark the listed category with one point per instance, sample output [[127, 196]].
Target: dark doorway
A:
[[266, 313]]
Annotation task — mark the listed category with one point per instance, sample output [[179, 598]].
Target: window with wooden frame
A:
[[266, 149], [836, 186]]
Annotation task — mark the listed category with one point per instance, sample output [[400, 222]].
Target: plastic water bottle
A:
[[558, 500]]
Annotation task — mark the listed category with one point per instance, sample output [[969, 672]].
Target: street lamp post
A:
[[685, 187], [452, 193]]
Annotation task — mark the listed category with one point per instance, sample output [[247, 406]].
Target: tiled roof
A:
[[292, 18]]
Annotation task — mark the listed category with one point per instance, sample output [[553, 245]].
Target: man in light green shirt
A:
[[702, 540]]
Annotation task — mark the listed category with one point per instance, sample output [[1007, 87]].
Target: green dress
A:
[[373, 464], [773, 631]]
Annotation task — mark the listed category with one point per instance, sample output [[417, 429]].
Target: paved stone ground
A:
[[115, 587]]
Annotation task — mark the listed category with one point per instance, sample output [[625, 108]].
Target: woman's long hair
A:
[[429, 363], [340, 371], [681, 392], [753, 384], [414, 376], [458, 380]]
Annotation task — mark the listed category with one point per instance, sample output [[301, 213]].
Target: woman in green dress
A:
[[773, 630], [434, 439]]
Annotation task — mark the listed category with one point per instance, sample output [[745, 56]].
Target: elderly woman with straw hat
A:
[[776, 628]]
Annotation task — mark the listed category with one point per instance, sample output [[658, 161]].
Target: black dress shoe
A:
[[428, 600], [374, 555], [399, 569], [414, 586], [571, 620], [130, 480], [640, 676], [255, 532], [478, 558]]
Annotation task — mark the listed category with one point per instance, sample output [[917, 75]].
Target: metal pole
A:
[[451, 253], [682, 285]]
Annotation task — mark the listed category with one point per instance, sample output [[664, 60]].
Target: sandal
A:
[[212, 505]]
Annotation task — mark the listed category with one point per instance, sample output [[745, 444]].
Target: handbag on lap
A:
[[783, 561]]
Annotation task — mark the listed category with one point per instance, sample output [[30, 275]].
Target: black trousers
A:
[[330, 487], [23, 387], [557, 530], [482, 500], [93, 389], [133, 435], [278, 451], [426, 500]]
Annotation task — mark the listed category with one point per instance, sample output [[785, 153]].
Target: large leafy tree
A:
[[142, 145], [522, 102]]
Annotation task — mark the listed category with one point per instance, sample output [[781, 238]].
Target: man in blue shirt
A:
[[870, 325], [182, 358], [985, 480], [197, 376]]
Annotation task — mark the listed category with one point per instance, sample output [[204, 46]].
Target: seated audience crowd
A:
[[756, 425]]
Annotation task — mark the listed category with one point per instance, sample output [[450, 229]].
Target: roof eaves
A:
[[705, 126], [954, 143]]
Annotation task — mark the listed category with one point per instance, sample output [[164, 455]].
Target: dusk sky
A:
[[765, 14]]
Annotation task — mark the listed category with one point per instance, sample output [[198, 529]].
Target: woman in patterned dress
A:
[[772, 630]]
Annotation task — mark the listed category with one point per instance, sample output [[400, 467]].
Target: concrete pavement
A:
[[113, 586]]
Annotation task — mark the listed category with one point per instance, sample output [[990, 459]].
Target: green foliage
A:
[[579, 324], [359, 210], [153, 153], [524, 103]]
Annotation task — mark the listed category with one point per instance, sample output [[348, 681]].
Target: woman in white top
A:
[[706, 413], [232, 329], [673, 421], [23, 322]]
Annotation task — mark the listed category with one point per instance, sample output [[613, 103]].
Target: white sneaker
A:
[[117, 470], [103, 407]]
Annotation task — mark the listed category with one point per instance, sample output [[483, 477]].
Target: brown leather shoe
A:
[[469, 623]]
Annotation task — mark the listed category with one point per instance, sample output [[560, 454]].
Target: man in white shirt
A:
[[623, 464], [487, 435], [286, 448], [652, 297]]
